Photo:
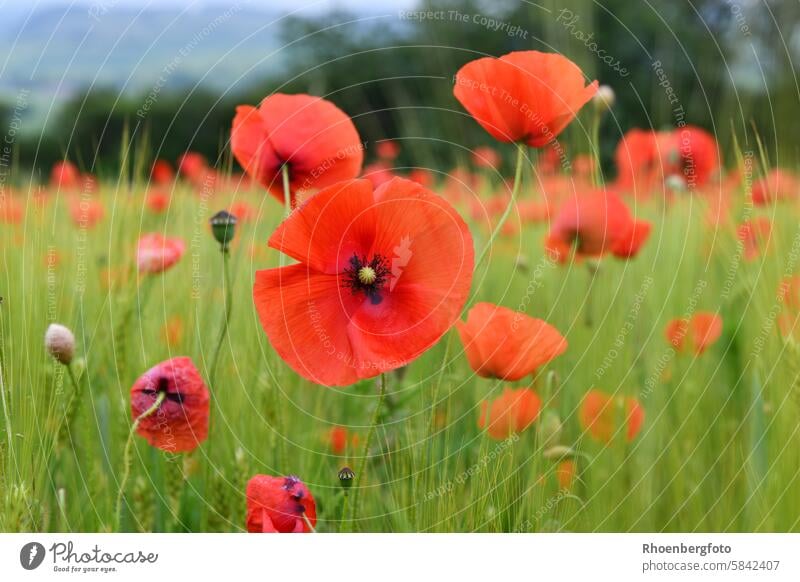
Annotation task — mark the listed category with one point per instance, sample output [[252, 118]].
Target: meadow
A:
[[715, 449]]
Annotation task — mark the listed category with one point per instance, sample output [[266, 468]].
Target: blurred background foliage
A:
[[728, 63]]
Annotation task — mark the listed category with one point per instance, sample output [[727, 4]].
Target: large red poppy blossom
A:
[[277, 505], [156, 253], [525, 96], [595, 224], [777, 185], [511, 412], [602, 415], [316, 139], [695, 334], [506, 344], [180, 423], [382, 276]]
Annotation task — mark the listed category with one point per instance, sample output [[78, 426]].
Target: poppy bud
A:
[[60, 343], [549, 428], [676, 183], [604, 99], [223, 226], [346, 476]]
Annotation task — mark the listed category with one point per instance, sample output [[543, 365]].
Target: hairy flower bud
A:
[[60, 343]]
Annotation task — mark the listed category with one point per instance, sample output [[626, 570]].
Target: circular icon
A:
[[31, 555]]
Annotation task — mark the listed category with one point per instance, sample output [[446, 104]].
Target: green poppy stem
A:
[[287, 189], [126, 456], [511, 203], [362, 463], [226, 282]]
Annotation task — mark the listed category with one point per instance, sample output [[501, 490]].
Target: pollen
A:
[[367, 275]]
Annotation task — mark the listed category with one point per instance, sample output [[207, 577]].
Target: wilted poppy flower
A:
[[595, 224], [388, 149], [695, 334], [754, 235], [156, 253], [382, 276], [314, 138], [486, 157], [506, 344], [525, 96], [602, 415], [86, 212], [277, 505], [512, 411], [65, 176], [180, 423], [777, 185], [157, 201], [162, 173]]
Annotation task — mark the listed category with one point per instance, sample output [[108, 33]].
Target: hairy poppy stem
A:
[[72, 404], [362, 463], [511, 203], [126, 456], [226, 282], [287, 190]]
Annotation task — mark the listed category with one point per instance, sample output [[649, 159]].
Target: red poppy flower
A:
[[565, 473], [388, 150], [338, 439], [777, 185], [11, 211], [754, 235], [506, 344], [595, 224], [692, 153], [378, 173], [180, 423], [192, 165], [382, 276], [601, 415], [486, 157], [422, 177], [162, 173], [638, 160], [525, 96], [157, 201], [315, 138], [513, 411], [243, 211], [86, 212], [696, 334], [277, 505], [157, 253], [65, 176]]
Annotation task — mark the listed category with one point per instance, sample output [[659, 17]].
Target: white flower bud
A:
[[60, 343], [604, 99]]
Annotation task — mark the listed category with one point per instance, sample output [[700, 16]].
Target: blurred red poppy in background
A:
[[156, 253], [339, 438], [65, 176], [754, 235], [603, 415], [162, 173], [382, 275], [513, 411], [777, 185], [388, 149], [486, 157], [180, 423], [243, 211], [315, 139], [695, 334], [86, 212], [524, 96], [277, 505], [506, 344], [565, 473], [193, 166], [378, 173], [594, 224], [157, 201], [692, 153], [11, 210]]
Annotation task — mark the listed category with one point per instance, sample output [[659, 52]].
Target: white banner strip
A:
[[401, 557]]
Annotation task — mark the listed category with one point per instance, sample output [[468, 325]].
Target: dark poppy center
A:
[[162, 386], [367, 276]]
